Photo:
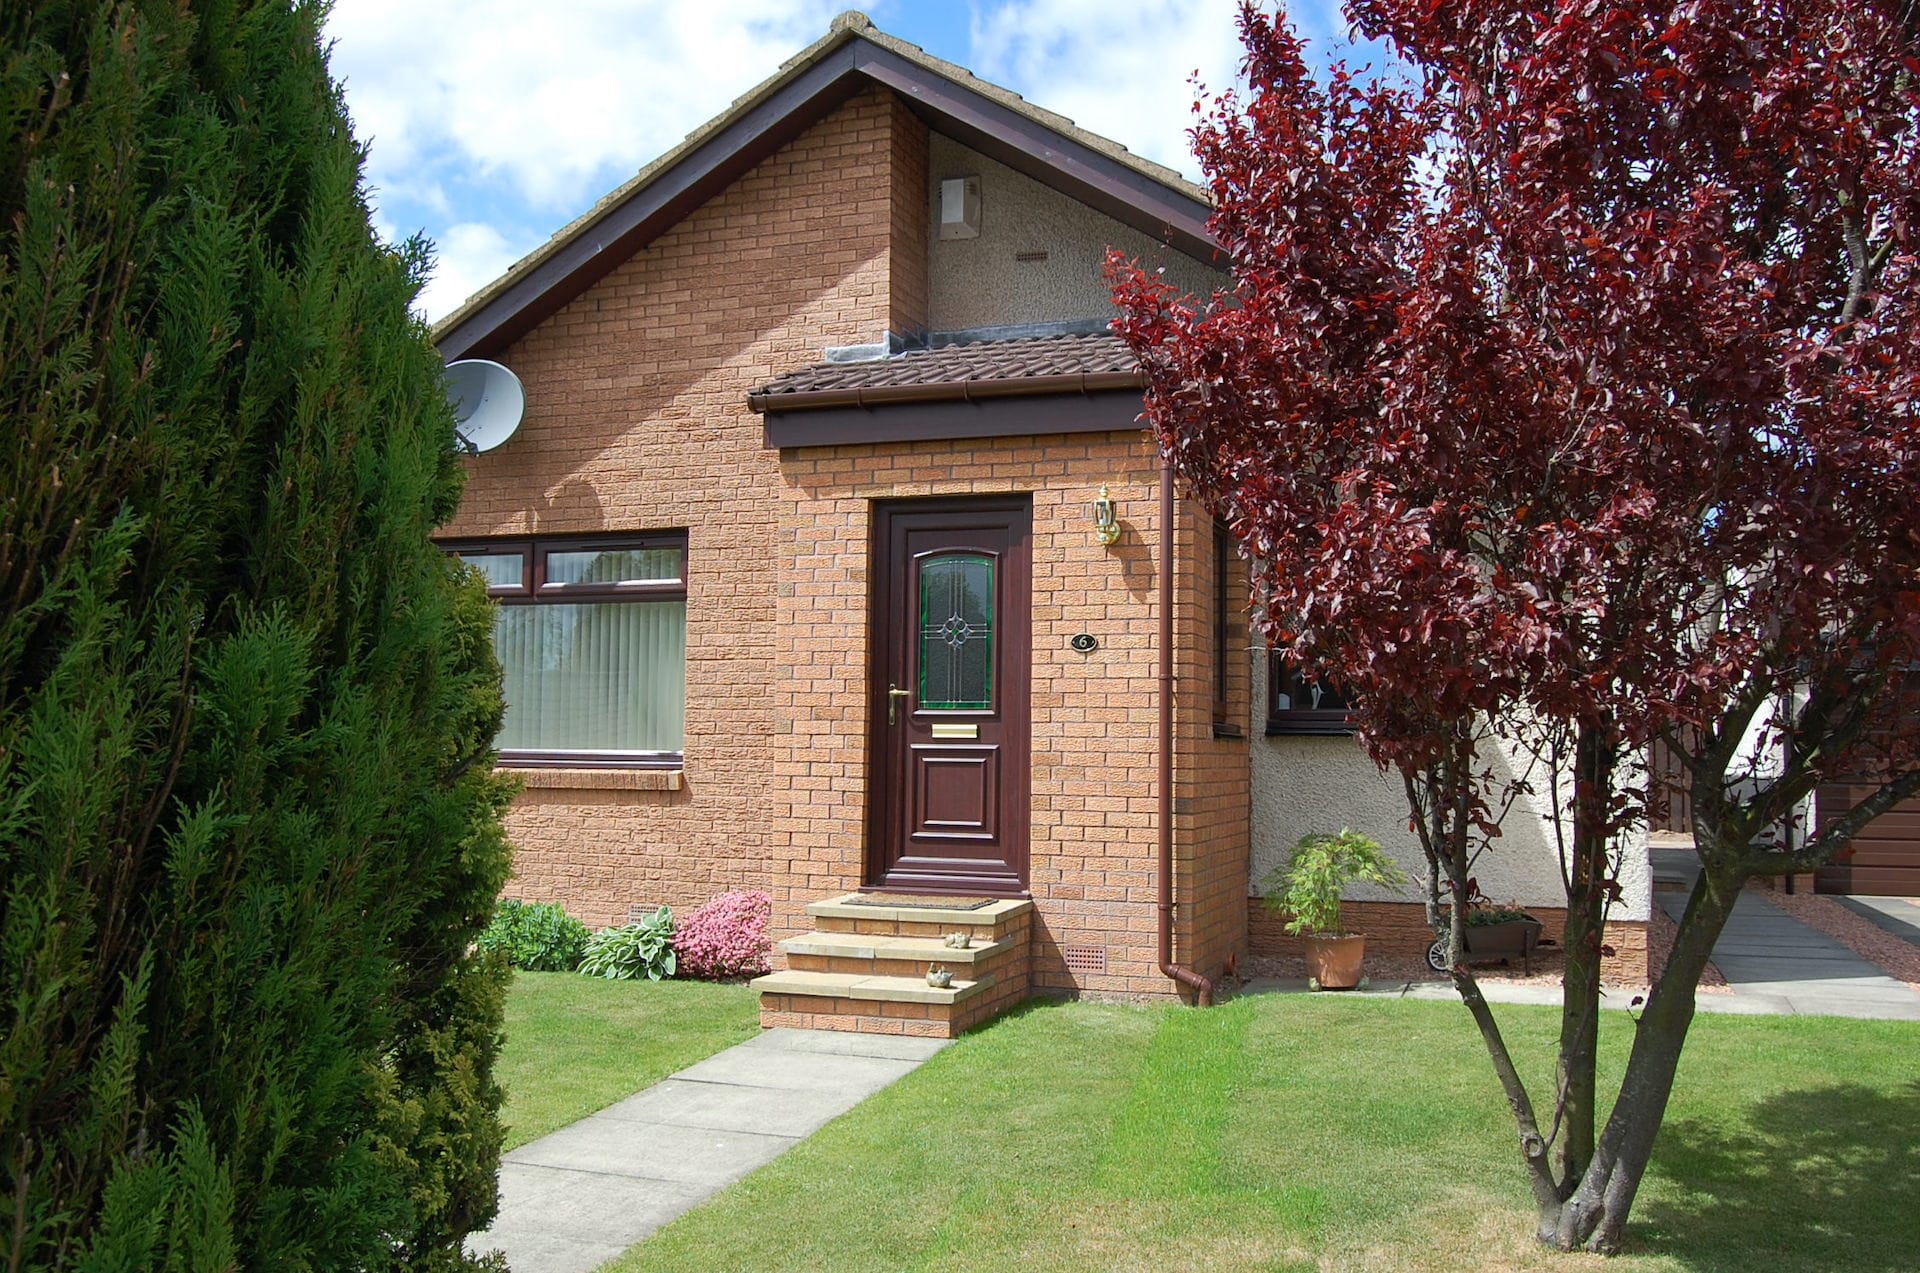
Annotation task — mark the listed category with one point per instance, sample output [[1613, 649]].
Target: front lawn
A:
[[577, 1044], [1296, 1133]]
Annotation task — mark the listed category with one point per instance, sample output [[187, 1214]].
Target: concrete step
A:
[[844, 915], [886, 955], [844, 985]]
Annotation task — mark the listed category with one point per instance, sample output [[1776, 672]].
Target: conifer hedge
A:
[[248, 823]]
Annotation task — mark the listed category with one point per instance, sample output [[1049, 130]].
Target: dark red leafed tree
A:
[[1565, 398]]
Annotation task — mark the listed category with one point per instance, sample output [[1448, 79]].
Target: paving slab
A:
[[697, 1156], [769, 1067], [1898, 915], [587, 1207], [897, 1047], [573, 1200], [728, 1107], [544, 1250], [1778, 964]]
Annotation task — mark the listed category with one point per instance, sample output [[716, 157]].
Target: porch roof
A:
[[1080, 383], [1082, 363]]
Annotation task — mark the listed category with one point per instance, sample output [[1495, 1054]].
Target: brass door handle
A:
[[894, 695]]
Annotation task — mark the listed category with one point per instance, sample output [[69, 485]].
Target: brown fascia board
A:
[[1035, 406], [653, 208], [946, 391], [996, 130]]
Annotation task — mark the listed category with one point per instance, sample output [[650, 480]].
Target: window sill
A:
[[598, 779], [1221, 730], [1309, 729]]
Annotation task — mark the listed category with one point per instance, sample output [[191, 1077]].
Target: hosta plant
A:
[[633, 951]]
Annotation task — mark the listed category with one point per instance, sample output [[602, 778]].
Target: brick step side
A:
[[867, 1004]]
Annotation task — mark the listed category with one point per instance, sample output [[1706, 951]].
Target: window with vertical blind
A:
[[591, 635]]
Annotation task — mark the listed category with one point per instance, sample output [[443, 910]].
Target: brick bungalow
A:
[[802, 583]]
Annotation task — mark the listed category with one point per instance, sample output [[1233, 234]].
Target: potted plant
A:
[[1493, 932], [1306, 889]]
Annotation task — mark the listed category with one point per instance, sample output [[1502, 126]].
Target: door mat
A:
[[920, 903]]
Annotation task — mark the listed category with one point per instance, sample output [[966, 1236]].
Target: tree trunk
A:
[[1576, 1107], [1595, 1216]]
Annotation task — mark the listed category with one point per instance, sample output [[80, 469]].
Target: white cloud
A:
[[1120, 70], [470, 256], [491, 123], [557, 102], [1126, 71]]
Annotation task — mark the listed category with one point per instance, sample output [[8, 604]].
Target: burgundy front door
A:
[[948, 716]]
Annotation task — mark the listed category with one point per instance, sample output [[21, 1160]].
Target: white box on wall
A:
[[960, 208]]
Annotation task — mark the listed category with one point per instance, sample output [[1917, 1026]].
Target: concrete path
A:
[[1898, 915], [1774, 963], [1443, 992], [577, 1198]]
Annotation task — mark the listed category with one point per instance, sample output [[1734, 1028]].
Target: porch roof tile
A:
[[1089, 354]]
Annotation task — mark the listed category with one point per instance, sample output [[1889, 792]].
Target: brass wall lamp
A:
[[1105, 528]]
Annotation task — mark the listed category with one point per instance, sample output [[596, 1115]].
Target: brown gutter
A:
[[1185, 976], [971, 389]]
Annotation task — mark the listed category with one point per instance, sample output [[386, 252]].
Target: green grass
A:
[[577, 1044], [1294, 1133]]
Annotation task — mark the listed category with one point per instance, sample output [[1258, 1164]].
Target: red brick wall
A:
[[1212, 784], [1094, 794], [907, 278], [636, 420], [1400, 928]]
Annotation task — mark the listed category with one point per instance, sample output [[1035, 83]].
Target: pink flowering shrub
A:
[[726, 937]]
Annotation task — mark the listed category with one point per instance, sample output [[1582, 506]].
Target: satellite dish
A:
[[487, 403]]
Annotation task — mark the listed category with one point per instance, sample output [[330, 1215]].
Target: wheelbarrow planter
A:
[[1507, 940]]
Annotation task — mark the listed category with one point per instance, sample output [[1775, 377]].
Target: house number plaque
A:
[[1084, 643]]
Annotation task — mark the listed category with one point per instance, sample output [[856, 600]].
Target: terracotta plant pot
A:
[[1333, 959]]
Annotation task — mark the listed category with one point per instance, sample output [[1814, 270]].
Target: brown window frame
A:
[[533, 589], [1298, 720]]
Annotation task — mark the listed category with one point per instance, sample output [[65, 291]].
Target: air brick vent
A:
[[1085, 958]]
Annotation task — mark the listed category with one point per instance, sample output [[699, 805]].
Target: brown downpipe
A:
[[1202, 987]]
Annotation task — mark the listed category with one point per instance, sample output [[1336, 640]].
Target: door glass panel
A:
[[956, 633]]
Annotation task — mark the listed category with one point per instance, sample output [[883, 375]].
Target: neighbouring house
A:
[[1882, 859], [833, 561]]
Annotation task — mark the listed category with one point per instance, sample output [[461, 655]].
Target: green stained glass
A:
[[956, 633]]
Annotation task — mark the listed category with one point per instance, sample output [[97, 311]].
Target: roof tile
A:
[[954, 364]]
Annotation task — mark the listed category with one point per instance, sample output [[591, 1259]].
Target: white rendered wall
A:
[[983, 282], [1303, 785]]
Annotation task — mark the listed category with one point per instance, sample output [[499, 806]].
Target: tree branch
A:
[[1819, 850]]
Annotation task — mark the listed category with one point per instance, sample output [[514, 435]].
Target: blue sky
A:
[[492, 123]]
